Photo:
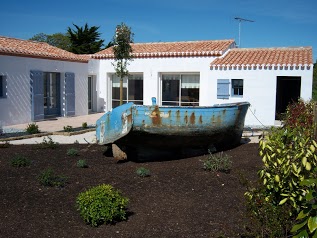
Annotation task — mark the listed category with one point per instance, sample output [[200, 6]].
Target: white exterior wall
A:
[[151, 68], [16, 107], [259, 89], [259, 85]]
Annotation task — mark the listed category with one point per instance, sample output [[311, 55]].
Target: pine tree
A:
[[85, 40]]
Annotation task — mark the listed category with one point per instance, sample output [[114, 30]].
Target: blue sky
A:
[[278, 23]]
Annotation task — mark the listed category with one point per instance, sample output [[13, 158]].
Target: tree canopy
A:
[[85, 40], [60, 40]]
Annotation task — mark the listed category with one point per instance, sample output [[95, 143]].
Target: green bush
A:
[[47, 144], [49, 178], [20, 161], [101, 204], [82, 163], [84, 125], [72, 152], [32, 128], [289, 157], [218, 162], [143, 172], [307, 226], [68, 128]]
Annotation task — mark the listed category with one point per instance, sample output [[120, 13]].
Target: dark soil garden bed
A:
[[179, 199]]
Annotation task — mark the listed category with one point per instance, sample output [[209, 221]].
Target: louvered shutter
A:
[[37, 95], [223, 88], [70, 94]]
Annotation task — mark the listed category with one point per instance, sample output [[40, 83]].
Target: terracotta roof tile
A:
[[266, 56], [27, 48], [173, 49]]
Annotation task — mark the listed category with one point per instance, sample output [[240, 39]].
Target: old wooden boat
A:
[[136, 127]]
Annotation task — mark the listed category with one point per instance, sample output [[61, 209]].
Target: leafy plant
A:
[[32, 128], [47, 143], [49, 178], [68, 128], [72, 152], [143, 172], [84, 125], [101, 204], [288, 156], [218, 162], [20, 161], [82, 163], [307, 218]]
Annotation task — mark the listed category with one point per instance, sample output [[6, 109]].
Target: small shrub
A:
[[143, 172], [218, 162], [72, 152], [5, 145], [300, 115], [84, 125], [82, 163], [101, 204], [47, 143], [49, 178], [32, 128], [20, 161], [68, 128]]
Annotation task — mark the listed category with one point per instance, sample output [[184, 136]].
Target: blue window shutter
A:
[[70, 94], [37, 95], [223, 88]]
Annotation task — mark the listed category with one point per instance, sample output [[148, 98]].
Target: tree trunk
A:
[[121, 91]]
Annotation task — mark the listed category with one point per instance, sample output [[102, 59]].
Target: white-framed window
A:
[[3, 86], [180, 89], [132, 89], [237, 87]]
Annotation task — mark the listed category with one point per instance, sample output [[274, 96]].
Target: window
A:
[[3, 86], [132, 89], [180, 89], [237, 87]]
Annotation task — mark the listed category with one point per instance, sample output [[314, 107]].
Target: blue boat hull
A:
[[134, 127]]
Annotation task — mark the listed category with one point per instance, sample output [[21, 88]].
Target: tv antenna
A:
[[241, 20]]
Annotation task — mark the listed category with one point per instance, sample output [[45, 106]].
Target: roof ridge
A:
[[274, 48], [169, 42]]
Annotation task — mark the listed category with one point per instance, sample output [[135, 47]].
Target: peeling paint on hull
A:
[[134, 126]]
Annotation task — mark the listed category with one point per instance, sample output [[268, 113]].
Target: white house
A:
[[205, 73], [39, 81]]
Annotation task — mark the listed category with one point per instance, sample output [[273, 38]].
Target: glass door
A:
[[90, 87], [51, 84]]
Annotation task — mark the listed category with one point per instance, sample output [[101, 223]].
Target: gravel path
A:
[[85, 138]]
